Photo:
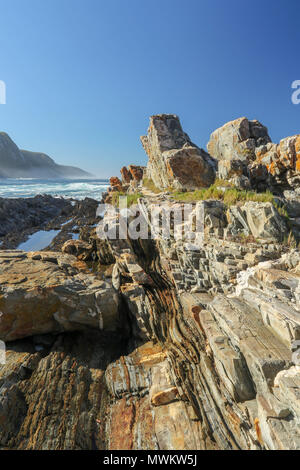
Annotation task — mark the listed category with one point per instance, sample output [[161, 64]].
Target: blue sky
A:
[[83, 76]]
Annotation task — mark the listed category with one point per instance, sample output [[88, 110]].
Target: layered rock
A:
[[46, 292], [185, 338], [235, 351], [237, 140], [174, 161], [243, 147], [17, 215], [82, 250], [261, 220], [203, 358], [53, 392]]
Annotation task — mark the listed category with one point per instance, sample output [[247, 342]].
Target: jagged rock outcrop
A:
[[243, 147], [277, 165], [132, 173], [136, 172], [237, 140], [17, 215], [202, 359], [173, 159], [187, 337], [228, 357], [126, 175], [115, 184], [230, 168]]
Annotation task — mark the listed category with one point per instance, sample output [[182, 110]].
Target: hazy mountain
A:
[[16, 163]]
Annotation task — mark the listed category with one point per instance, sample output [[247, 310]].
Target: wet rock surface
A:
[[22, 218]]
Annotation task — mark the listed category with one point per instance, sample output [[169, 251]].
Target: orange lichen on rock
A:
[[115, 183], [258, 431], [297, 150]]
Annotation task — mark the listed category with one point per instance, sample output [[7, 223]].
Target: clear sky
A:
[[83, 76]]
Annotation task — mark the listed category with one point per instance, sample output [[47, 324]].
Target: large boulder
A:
[[173, 159], [259, 219], [47, 292], [237, 140], [264, 221]]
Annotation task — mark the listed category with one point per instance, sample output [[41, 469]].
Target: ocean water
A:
[[67, 188]]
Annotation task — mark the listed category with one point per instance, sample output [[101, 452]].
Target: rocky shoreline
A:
[[22, 217], [160, 342]]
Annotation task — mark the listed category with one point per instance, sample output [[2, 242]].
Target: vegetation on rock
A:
[[229, 196], [131, 198]]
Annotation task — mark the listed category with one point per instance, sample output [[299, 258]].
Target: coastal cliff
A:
[[163, 341], [16, 163]]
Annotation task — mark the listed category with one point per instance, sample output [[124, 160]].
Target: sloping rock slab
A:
[[45, 292]]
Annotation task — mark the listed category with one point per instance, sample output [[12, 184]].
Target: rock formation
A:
[[19, 214], [126, 175], [174, 161], [159, 342], [115, 184], [46, 292], [136, 172], [243, 147], [277, 166], [132, 176], [237, 140]]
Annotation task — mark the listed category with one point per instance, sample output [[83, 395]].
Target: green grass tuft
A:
[[131, 198], [149, 184], [229, 196]]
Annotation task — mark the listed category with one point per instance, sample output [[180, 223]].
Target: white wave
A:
[[67, 189]]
